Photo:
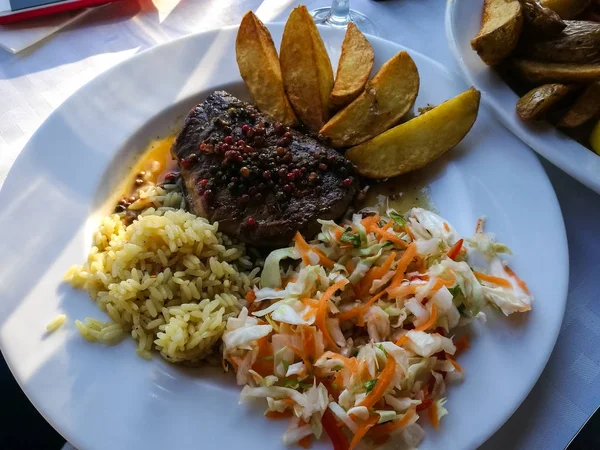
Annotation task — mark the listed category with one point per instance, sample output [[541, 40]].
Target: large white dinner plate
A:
[[462, 24], [108, 398]]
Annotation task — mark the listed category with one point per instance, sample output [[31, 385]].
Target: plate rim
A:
[[529, 138], [174, 42]]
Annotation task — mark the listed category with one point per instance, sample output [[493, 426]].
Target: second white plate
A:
[[462, 24]]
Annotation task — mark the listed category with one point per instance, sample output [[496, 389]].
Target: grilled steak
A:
[[260, 180]]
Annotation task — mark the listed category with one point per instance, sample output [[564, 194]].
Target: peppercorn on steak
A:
[[261, 180]]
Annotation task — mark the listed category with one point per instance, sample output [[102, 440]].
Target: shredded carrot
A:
[[431, 321], [388, 236], [370, 220], [439, 282], [456, 365], [412, 236], [310, 302], [404, 290], [354, 312], [385, 378], [402, 340], [307, 314], [305, 441], [350, 266], [276, 415], [323, 259], [304, 248], [262, 366], [420, 264], [461, 344], [322, 311], [433, 416], [402, 265], [362, 430], [387, 428], [308, 341], [446, 227], [375, 273], [388, 225], [492, 279], [250, 296], [338, 234], [520, 282], [455, 250]]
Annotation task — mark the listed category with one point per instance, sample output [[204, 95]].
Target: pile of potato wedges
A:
[[549, 51], [367, 118]]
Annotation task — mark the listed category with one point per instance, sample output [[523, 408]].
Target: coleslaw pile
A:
[[355, 336]]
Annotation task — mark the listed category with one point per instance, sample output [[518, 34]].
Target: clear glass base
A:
[[323, 16]]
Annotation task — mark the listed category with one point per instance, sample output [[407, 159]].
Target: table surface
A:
[[37, 80]]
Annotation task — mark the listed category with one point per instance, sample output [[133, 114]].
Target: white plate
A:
[[462, 24], [108, 398]]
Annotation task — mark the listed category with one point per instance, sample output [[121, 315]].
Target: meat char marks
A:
[[260, 180]]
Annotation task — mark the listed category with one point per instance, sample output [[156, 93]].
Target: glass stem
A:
[[340, 12]]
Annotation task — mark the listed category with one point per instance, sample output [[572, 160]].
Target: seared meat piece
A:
[[261, 181]]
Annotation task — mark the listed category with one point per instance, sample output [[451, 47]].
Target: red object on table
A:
[[48, 9]]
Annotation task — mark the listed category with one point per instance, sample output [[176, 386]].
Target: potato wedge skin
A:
[[579, 43], [354, 68], [566, 9], [539, 21], [306, 69], [534, 104], [414, 144], [541, 72], [259, 67], [585, 108], [386, 99], [500, 30]]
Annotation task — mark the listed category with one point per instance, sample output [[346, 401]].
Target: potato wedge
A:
[[579, 43], [585, 108], [500, 30], [354, 68], [542, 72], [306, 69], [566, 9], [540, 22], [259, 67], [419, 141], [386, 99], [535, 104]]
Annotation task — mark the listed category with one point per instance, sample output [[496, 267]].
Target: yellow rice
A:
[[170, 279], [56, 323]]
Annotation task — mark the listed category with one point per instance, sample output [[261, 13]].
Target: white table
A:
[[36, 81]]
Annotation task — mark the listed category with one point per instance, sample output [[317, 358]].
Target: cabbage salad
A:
[[354, 333]]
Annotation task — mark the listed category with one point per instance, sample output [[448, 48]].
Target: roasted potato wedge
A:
[[306, 69], [354, 68], [259, 66], [579, 43], [500, 30], [566, 9], [542, 72], [585, 108], [535, 104], [419, 141], [540, 22], [386, 99]]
